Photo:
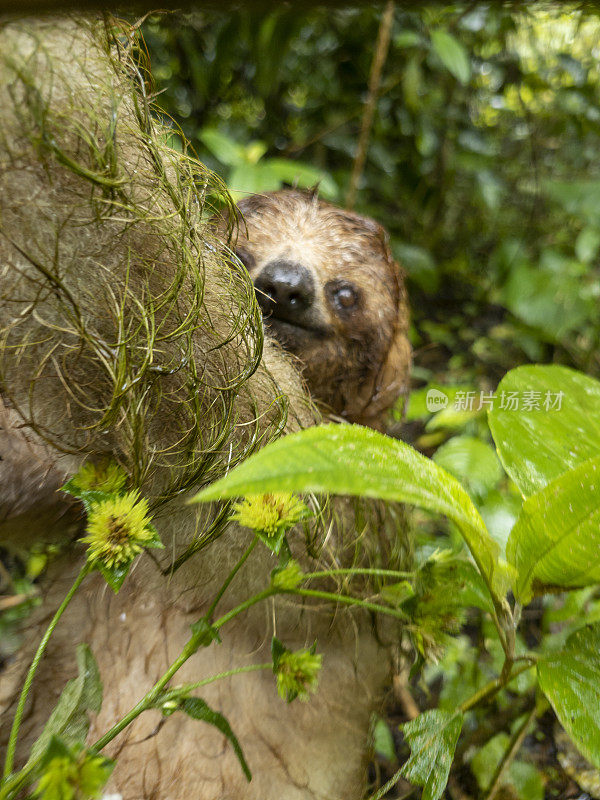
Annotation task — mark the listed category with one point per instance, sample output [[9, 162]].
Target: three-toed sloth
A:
[[127, 330], [333, 296]]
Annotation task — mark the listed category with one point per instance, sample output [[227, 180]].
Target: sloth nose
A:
[[284, 289]]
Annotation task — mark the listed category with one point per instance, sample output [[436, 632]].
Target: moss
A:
[[125, 326]]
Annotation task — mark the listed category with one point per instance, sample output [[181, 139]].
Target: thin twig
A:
[[381, 50], [513, 749]]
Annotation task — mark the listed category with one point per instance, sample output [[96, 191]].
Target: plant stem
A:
[[230, 577], [349, 601], [383, 573], [266, 593], [195, 640], [189, 687], [190, 648], [491, 688], [12, 741], [379, 56], [146, 701], [513, 748], [383, 790], [10, 787]]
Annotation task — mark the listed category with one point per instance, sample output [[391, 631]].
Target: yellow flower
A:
[[269, 513], [119, 528]]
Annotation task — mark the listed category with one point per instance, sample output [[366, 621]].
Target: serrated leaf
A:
[[536, 446], [352, 460], [432, 737], [69, 719], [570, 679], [555, 543], [197, 708], [452, 55]]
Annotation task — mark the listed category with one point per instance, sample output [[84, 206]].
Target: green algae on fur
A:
[[114, 294]]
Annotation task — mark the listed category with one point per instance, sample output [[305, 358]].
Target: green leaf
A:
[[432, 737], [524, 777], [352, 460], [252, 179], [452, 55], [570, 679], [277, 650], [555, 543], [225, 149], [472, 461], [536, 446], [587, 244], [299, 174], [74, 774], [383, 741], [114, 576], [396, 594], [204, 633], [419, 264], [197, 708], [69, 719], [407, 38], [581, 198], [549, 300]]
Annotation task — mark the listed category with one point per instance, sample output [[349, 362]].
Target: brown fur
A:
[[355, 360], [72, 253]]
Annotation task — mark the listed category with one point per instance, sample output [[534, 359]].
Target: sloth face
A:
[[332, 295]]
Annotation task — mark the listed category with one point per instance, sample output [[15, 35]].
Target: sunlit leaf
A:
[[555, 543], [432, 737], [352, 460], [570, 679], [227, 150], [304, 175], [537, 445], [452, 54], [587, 244], [470, 460], [383, 741], [69, 719]]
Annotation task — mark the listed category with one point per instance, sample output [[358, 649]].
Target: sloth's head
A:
[[332, 295]]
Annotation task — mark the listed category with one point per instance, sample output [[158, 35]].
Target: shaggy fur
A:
[[125, 329]]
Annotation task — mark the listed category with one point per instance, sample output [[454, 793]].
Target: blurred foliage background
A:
[[482, 163]]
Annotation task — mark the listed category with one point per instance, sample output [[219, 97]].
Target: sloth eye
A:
[[343, 296]]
